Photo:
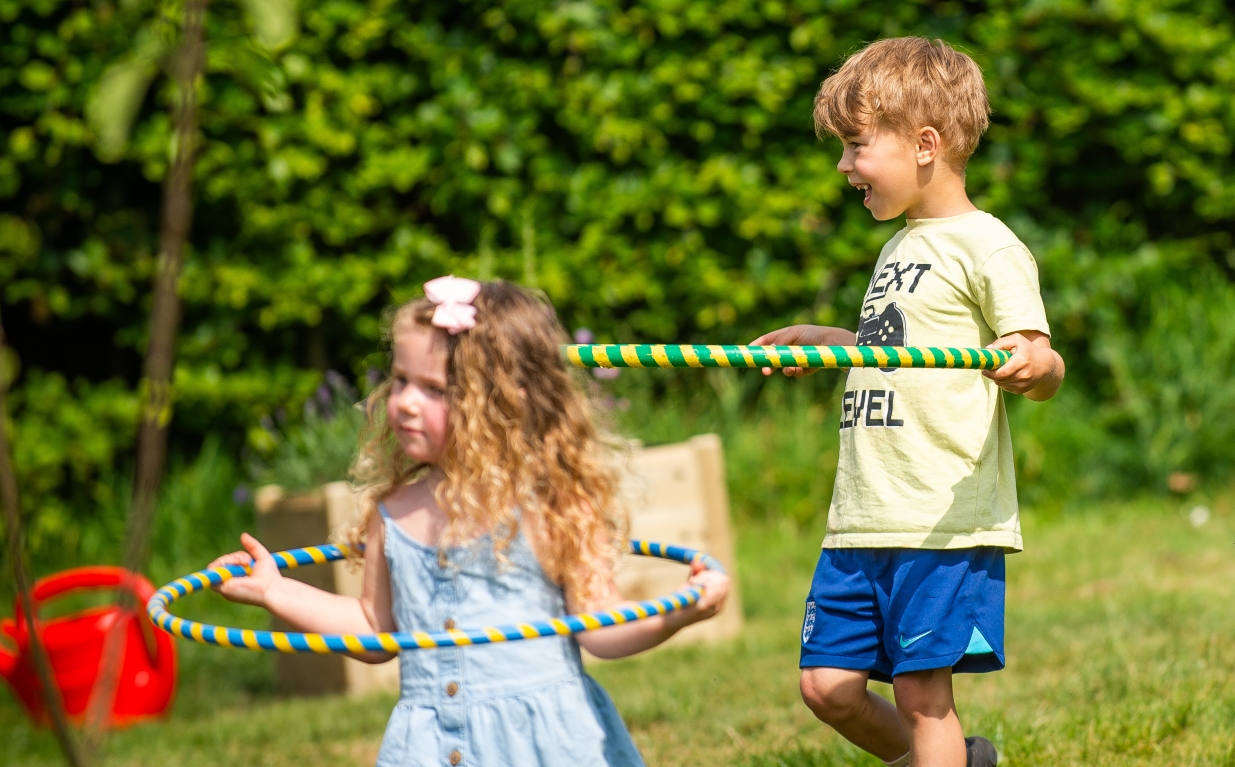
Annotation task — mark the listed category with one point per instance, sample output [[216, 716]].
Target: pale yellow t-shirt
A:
[[925, 455]]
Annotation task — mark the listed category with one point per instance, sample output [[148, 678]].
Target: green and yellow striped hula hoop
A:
[[714, 356], [293, 642]]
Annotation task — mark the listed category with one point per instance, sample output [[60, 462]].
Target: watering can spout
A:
[[8, 663], [8, 659]]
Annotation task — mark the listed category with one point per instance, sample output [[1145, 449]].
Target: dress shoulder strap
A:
[[381, 509]]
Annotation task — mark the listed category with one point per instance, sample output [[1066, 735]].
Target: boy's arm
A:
[[805, 335], [1035, 370]]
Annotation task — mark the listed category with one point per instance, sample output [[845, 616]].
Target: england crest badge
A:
[[808, 623]]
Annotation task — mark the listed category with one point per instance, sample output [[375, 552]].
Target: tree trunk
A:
[[165, 314], [11, 501], [157, 400]]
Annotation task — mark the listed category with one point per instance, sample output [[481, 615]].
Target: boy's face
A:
[[885, 166]]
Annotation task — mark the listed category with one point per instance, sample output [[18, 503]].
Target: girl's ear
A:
[[930, 144]]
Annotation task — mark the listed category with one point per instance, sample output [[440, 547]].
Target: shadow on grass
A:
[[841, 756]]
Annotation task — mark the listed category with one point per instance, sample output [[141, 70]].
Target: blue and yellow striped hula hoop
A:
[[717, 356], [292, 642]]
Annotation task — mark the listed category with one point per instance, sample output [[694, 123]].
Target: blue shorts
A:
[[891, 611]]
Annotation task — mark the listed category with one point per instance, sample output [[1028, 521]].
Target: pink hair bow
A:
[[453, 296]]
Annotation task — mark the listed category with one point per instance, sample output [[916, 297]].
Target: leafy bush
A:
[[203, 509], [318, 449], [649, 164]]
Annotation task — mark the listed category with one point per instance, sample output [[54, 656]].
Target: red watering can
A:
[[74, 644]]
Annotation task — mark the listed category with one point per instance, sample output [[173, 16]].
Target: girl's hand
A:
[[255, 588], [715, 591]]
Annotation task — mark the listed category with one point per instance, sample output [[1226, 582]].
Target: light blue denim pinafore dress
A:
[[521, 704]]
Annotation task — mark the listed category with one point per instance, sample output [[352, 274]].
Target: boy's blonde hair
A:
[[523, 441], [905, 84]]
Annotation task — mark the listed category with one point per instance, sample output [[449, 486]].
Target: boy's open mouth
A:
[[866, 189]]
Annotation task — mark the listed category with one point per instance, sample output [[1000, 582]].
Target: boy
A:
[[910, 582]]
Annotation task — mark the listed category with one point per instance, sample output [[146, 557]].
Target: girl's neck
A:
[[413, 507]]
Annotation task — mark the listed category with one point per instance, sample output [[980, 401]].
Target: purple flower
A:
[[339, 383], [584, 336], [373, 376], [240, 495], [606, 374], [336, 380]]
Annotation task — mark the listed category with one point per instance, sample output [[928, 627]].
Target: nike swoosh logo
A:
[[906, 642]]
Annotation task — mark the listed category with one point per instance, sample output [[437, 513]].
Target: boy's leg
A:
[[840, 699], [944, 613], [926, 706], [841, 634]]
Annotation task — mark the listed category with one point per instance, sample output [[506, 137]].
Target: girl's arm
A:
[[310, 609], [631, 638]]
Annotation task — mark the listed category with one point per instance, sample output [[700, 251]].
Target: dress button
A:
[[449, 624], [455, 757], [452, 689]]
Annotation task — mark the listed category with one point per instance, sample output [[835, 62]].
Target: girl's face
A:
[[416, 407]]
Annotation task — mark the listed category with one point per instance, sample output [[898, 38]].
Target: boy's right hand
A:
[[805, 335], [264, 576]]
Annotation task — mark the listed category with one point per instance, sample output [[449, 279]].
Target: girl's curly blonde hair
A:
[[522, 436]]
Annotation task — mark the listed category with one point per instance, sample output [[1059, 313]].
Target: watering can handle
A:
[[92, 577], [97, 577]]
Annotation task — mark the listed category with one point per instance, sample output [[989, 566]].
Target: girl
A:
[[488, 496]]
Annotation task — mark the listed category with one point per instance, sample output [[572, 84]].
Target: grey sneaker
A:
[[979, 752]]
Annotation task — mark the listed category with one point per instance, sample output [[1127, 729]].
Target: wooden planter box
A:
[[289, 521], [680, 498]]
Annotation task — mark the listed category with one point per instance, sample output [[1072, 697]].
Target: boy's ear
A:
[[930, 145]]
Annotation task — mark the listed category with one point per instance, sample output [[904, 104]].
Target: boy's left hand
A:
[[1035, 370]]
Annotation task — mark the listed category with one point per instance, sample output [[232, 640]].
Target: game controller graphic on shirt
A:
[[884, 329]]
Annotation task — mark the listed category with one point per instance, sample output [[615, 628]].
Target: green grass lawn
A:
[[1120, 641]]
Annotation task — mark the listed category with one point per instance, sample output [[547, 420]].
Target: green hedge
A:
[[650, 165]]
